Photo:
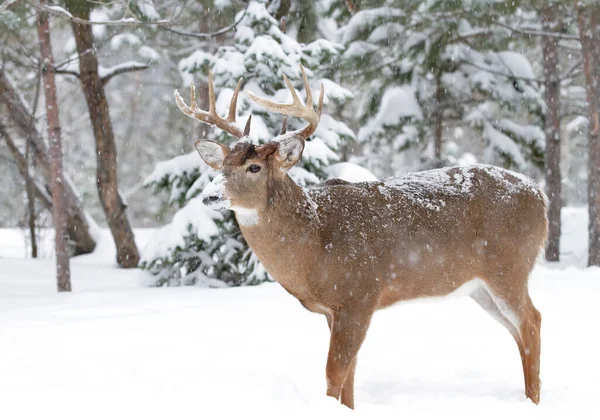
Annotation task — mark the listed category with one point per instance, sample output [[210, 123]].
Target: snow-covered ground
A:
[[114, 350]]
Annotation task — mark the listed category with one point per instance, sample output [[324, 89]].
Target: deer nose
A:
[[210, 200]]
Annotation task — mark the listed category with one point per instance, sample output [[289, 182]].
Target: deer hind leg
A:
[[348, 387], [348, 331], [518, 315]]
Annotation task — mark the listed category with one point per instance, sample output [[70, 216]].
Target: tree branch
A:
[[120, 69], [507, 75], [4, 6], [532, 32], [132, 22], [210, 34], [69, 72]]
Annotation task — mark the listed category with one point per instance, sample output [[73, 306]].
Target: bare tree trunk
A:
[[63, 272], [29, 189], [439, 120], [42, 192], [22, 122], [588, 18], [552, 128], [106, 151]]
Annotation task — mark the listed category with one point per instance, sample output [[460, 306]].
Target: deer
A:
[[346, 250]]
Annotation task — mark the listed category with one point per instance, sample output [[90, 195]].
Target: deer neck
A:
[[283, 233]]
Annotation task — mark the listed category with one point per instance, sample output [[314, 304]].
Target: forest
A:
[[409, 85], [106, 187]]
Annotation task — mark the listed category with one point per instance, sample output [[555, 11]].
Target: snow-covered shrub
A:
[[204, 247]]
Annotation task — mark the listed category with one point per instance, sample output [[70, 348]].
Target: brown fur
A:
[[346, 250]]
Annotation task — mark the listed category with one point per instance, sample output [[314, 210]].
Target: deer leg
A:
[[484, 299], [348, 331], [347, 397], [523, 320], [530, 334], [348, 388]]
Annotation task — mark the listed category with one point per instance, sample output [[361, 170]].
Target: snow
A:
[[128, 38], [503, 144], [350, 172], [195, 219], [99, 15], [148, 9], [178, 171], [189, 65], [517, 64], [59, 10], [363, 19], [397, 103], [149, 53], [429, 189], [113, 347]]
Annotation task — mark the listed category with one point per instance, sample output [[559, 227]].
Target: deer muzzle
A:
[[213, 195]]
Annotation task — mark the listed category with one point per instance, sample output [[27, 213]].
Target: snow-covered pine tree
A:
[[432, 72], [204, 247]]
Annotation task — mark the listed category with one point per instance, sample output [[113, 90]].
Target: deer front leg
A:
[[348, 331]]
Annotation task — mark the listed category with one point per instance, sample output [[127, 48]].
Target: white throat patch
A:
[[245, 217]]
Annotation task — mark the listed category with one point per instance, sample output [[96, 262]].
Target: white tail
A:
[[346, 250]]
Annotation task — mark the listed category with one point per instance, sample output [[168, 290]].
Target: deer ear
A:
[[212, 153], [289, 152]]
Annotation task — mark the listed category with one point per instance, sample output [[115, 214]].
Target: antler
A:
[[226, 124], [296, 108]]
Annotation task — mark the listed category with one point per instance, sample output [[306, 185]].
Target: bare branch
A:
[[4, 6], [69, 72], [132, 22], [210, 34], [124, 68], [62, 13], [532, 32]]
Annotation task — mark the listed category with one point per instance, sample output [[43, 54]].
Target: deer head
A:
[[248, 169]]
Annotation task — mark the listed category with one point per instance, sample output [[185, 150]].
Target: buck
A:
[[346, 250]]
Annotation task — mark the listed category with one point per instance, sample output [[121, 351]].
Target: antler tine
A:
[[233, 104], [309, 102], [226, 124], [296, 108], [320, 106], [212, 101], [247, 128], [193, 103]]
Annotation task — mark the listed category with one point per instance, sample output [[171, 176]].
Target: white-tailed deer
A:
[[346, 250]]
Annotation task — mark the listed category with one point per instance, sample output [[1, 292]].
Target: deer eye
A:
[[253, 168]]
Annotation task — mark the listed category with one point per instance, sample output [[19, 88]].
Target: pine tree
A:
[[432, 72], [202, 246]]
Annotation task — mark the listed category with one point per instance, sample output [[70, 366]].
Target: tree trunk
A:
[[30, 191], [552, 128], [588, 18], [80, 231], [63, 272], [106, 151], [439, 120], [42, 192]]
